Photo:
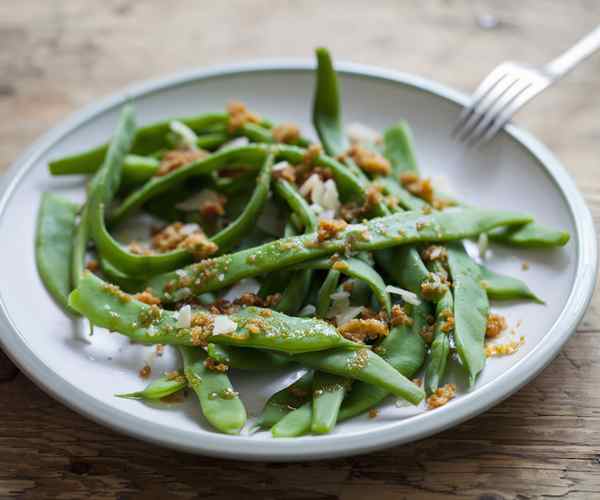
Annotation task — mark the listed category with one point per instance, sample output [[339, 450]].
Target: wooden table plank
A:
[[59, 55]]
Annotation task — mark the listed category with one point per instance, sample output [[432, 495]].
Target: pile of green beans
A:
[[312, 282]]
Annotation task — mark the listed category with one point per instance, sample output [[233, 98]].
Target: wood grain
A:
[[543, 442]]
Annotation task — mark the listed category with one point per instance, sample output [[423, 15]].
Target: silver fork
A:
[[510, 86]]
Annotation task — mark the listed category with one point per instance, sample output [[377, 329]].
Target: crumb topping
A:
[[145, 372], [177, 158], [441, 396], [239, 116], [359, 330], [330, 228], [369, 161], [287, 133], [215, 366], [147, 298], [399, 316], [496, 324]]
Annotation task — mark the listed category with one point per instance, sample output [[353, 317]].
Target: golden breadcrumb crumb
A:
[[92, 265], [287, 173], [215, 366], [525, 266], [434, 252], [496, 324], [213, 206], [137, 248], [199, 245], [239, 116], [448, 321], [177, 158], [399, 316], [312, 153], [373, 412], [330, 228], [427, 333], [145, 372], [159, 349], [417, 381], [369, 161], [441, 396], [492, 350], [147, 298], [358, 330], [287, 133]]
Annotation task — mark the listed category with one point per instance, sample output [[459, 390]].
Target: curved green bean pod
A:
[[220, 404], [147, 140], [79, 245], [405, 267], [501, 287], [356, 268], [471, 309], [326, 106], [130, 284], [398, 148], [248, 359], [295, 423], [157, 389], [406, 200], [53, 245], [328, 394], [324, 295], [158, 185], [440, 346], [107, 306], [376, 234], [229, 236], [404, 349], [531, 236], [364, 365], [286, 400]]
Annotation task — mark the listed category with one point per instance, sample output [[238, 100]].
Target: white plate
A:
[[515, 172]]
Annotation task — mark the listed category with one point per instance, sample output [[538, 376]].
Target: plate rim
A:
[[316, 447]]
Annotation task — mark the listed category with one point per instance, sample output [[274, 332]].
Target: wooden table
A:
[[59, 55]]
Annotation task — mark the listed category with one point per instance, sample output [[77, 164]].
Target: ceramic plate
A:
[[514, 172]]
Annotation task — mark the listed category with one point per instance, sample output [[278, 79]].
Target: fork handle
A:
[[583, 48]]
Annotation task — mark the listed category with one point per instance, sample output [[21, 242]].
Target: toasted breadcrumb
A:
[[374, 196], [496, 324], [373, 412], [399, 316], [178, 158], [505, 349], [145, 371], [441, 396], [330, 228], [272, 300], [448, 321], [287, 174], [368, 313], [435, 252], [427, 333], [525, 266], [215, 366], [434, 286], [358, 330], [173, 375], [137, 248], [417, 381], [147, 298], [214, 206], [174, 236], [287, 133], [239, 116], [312, 153], [92, 265], [369, 161], [199, 245], [159, 349]]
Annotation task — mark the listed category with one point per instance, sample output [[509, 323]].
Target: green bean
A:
[[283, 402], [471, 309], [138, 169], [162, 387], [79, 243], [357, 269], [502, 287], [403, 197], [294, 424], [221, 405], [376, 234], [440, 346], [531, 236], [398, 148], [53, 245], [363, 365], [229, 236], [327, 288], [328, 394], [106, 306], [404, 349], [295, 293], [248, 359], [147, 140], [326, 106], [159, 185], [130, 284]]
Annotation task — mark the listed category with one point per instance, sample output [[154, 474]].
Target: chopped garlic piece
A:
[[184, 320], [223, 325], [362, 134], [406, 295], [185, 134]]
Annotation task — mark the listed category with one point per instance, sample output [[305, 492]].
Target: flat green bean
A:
[[501, 287], [164, 386], [248, 359], [531, 236], [294, 424], [328, 394], [286, 400]]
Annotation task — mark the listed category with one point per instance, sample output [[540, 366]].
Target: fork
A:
[[510, 86]]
